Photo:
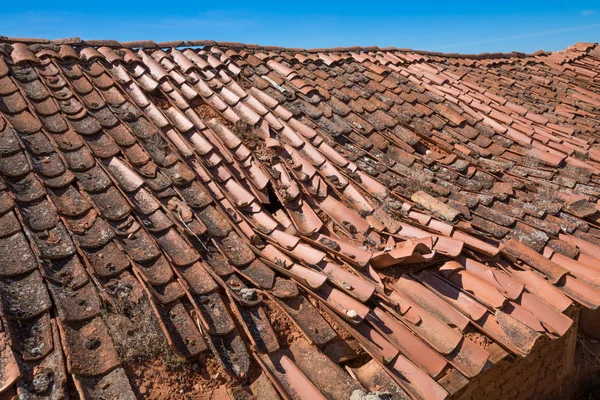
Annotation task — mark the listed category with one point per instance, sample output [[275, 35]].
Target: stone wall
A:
[[547, 373]]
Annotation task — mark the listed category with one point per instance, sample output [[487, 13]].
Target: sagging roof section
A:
[[439, 210]]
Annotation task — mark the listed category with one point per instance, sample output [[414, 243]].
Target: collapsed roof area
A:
[[414, 215]]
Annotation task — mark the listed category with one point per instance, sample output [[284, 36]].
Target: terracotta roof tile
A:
[[137, 162]]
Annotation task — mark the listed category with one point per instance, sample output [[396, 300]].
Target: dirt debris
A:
[[479, 339], [283, 326]]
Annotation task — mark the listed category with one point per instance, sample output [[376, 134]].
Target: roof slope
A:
[[431, 208]]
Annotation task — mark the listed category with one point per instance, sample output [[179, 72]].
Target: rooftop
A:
[[287, 210]]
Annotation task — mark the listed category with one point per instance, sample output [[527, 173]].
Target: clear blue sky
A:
[[448, 26]]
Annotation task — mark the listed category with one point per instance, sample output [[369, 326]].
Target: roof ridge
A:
[[150, 44]]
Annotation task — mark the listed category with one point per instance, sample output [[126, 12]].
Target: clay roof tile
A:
[[301, 175]]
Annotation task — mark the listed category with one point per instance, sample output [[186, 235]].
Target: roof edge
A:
[[149, 44]]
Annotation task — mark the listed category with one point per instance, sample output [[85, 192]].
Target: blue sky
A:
[[448, 26]]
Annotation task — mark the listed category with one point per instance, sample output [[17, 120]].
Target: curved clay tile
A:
[[383, 200]]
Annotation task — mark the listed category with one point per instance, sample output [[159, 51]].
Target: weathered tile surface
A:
[[411, 197]]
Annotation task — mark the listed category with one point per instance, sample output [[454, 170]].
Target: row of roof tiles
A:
[[405, 196], [149, 44]]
